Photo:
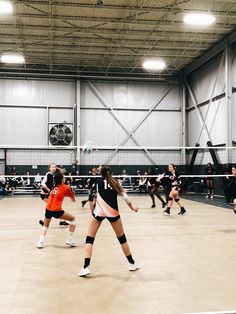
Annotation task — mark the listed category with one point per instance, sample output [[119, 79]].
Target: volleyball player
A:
[[107, 189], [153, 186], [210, 170], [232, 188], [171, 182], [54, 208], [90, 183], [47, 185]]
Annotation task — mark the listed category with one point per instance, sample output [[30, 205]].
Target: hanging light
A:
[[199, 19], [154, 65], [6, 7], [14, 58]]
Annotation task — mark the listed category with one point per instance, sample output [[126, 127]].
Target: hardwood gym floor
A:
[[187, 263]]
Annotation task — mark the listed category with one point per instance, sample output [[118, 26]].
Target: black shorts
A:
[[44, 196], [111, 219], [53, 213]]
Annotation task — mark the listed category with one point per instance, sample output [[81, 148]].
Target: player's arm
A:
[[44, 184], [70, 194], [128, 202]]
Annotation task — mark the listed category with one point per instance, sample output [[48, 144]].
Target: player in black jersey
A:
[[107, 189], [210, 170], [171, 182], [90, 182], [232, 188], [47, 186], [153, 186]]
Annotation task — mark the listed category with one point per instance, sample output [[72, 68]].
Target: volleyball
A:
[[88, 147]]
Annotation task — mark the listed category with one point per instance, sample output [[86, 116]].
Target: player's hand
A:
[[135, 209]]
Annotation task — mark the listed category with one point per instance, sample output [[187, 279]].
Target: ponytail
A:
[[107, 174]]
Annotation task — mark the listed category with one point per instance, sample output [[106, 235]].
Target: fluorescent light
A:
[[201, 19], [154, 65], [12, 58], [6, 7]]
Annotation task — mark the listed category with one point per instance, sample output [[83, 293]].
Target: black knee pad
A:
[[122, 239], [177, 199], [89, 240], [169, 199]]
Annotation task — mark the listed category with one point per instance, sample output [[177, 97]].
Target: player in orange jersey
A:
[[54, 209]]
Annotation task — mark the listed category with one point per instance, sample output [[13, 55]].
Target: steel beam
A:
[[199, 114], [112, 112], [211, 97], [131, 133]]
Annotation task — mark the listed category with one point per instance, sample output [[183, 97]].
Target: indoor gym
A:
[[132, 85]]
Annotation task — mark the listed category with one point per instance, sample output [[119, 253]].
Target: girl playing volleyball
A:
[[54, 208], [107, 189]]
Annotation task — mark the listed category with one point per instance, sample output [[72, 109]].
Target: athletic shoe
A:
[[153, 206], [182, 212], [212, 196], [133, 267], [83, 203], [164, 205], [41, 222], [39, 245], [71, 242], [235, 212], [167, 211], [84, 272], [63, 223]]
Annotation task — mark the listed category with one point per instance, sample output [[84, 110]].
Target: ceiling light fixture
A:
[[12, 58], [154, 65], [6, 7], [199, 19]]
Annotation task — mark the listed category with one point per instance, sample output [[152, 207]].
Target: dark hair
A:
[[58, 176], [174, 166], [106, 173]]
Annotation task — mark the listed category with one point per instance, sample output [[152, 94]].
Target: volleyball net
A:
[[191, 162]]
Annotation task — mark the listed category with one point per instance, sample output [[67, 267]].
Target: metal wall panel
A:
[[127, 95], [58, 93], [215, 122], [21, 92], [202, 80], [23, 126]]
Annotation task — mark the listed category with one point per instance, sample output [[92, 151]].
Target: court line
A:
[[227, 312]]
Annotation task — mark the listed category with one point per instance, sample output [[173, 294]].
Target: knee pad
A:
[[73, 222], [122, 239], [169, 199], [89, 240], [177, 199]]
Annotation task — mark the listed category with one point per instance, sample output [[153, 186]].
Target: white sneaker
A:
[[212, 196], [39, 245], [71, 242], [84, 272], [133, 267]]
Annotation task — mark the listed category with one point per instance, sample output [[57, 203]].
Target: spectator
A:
[[37, 181], [126, 180], [210, 170], [2, 180], [8, 187], [142, 183], [225, 183], [26, 180]]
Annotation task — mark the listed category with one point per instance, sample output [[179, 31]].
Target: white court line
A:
[[224, 312]]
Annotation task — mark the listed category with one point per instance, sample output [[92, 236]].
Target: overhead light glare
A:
[[12, 58], [154, 65], [6, 7], [199, 19]]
